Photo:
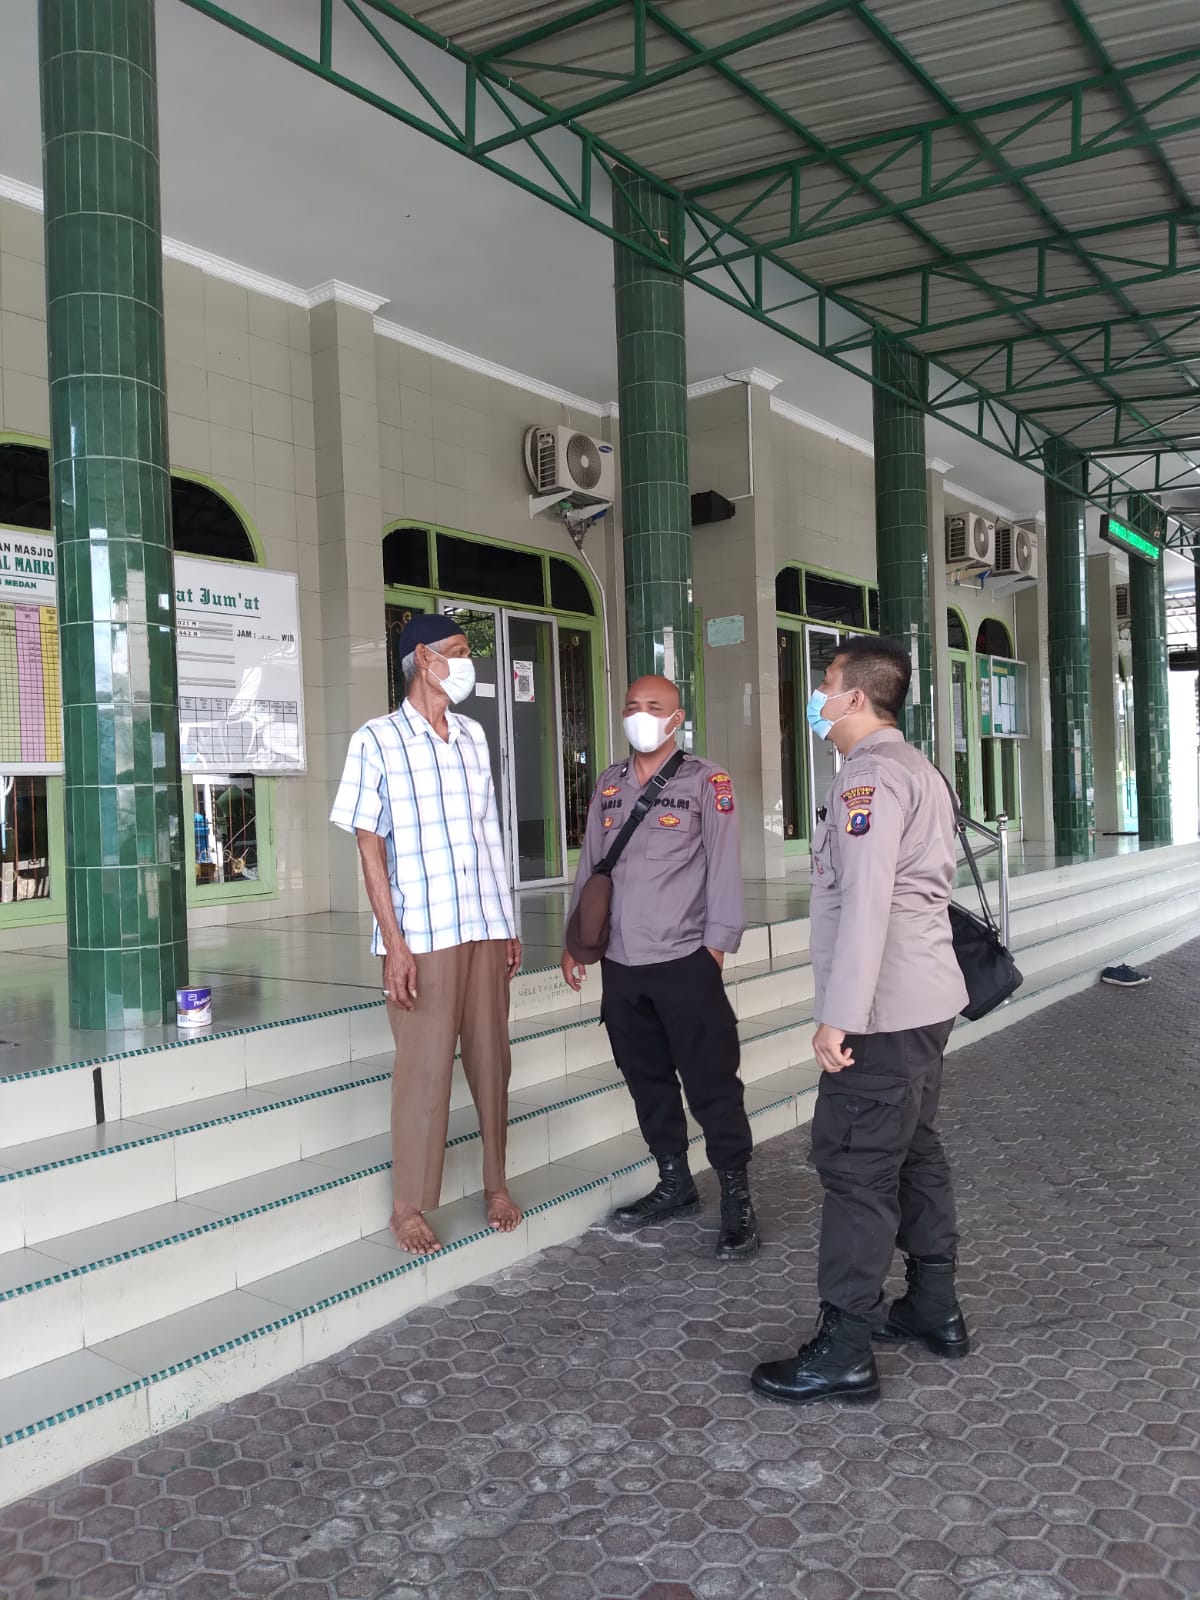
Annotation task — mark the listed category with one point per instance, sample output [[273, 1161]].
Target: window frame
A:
[[40, 913], [791, 622]]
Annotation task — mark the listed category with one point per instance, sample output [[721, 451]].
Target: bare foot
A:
[[413, 1233], [503, 1212]]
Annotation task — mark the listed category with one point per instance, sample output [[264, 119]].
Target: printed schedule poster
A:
[[241, 700], [30, 693]]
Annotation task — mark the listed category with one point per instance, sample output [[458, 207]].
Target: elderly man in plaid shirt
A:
[[417, 791]]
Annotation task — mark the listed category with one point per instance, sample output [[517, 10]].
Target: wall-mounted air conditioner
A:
[[564, 464], [970, 543], [1016, 555]]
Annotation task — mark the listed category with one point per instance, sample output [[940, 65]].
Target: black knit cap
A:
[[432, 629]]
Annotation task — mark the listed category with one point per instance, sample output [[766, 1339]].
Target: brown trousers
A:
[[462, 993]]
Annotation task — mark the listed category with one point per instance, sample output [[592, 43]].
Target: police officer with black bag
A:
[[675, 908], [888, 987]]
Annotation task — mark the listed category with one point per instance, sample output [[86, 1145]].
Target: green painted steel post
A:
[[110, 485], [1068, 652], [902, 524], [1151, 688], [656, 507]]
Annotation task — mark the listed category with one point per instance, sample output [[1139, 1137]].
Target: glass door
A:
[[793, 737], [536, 830], [965, 723], [481, 625], [820, 647]]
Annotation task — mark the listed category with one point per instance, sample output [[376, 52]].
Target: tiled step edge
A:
[[46, 1101], [47, 1449], [459, 1142]]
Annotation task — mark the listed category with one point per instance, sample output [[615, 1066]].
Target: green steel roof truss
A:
[[840, 175]]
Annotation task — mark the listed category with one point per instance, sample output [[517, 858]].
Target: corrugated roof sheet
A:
[[899, 141]]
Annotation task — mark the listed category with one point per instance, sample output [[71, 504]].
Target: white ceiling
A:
[[269, 167]]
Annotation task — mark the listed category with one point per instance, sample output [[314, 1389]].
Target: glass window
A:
[[24, 840], [226, 826], [406, 558], [832, 600], [873, 609], [205, 524], [575, 686], [993, 638], [513, 577], [568, 591], [25, 487], [956, 630], [787, 592]]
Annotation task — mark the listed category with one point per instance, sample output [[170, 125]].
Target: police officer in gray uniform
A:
[[677, 910], [888, 988]]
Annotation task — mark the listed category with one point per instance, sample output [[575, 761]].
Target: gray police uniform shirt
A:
[[678, 884], [883, 864]]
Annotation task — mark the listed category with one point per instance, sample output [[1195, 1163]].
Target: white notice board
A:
[[241, 689]]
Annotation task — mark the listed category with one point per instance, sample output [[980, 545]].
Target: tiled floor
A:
[[579, 1428], [287, 967]]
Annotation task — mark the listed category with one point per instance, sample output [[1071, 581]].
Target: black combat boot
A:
[[928, 1311], [838, 1364], [674, 1195], [739, 1225]]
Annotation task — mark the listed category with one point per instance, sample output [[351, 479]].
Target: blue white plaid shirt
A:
[[434, 802]]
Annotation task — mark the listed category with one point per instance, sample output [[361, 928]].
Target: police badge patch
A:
[[858, 810], [723, 791], [612, 789]]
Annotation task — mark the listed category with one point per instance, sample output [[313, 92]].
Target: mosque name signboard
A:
[[1119, 534]]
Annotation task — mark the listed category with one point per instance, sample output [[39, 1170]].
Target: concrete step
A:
[[88, 1404], [59, 1293]]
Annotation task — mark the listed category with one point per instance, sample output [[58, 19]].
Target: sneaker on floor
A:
[[1125, 977]]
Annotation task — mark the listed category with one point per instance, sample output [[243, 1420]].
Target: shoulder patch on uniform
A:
[[668, 819], [858, 810], [722, 791], [610, 789]]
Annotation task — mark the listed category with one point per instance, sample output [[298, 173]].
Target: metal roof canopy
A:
[[1011, 188]]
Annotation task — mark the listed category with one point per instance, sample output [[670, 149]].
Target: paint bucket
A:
[[193, 1007]]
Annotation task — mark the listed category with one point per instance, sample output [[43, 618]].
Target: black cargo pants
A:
[[670, 1023], [881, 1164]]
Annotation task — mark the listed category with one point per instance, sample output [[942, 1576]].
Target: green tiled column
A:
[[126, 927], [1067, 650], [902, 525], [1151, 691], [652, 391]]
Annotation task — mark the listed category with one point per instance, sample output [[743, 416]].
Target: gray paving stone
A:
[[581, 1429]]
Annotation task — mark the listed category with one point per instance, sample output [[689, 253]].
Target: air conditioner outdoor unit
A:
[[566, 465], [1016, 555], [970, 543], [1122, 603]]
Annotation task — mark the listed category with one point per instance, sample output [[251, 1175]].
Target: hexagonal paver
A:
[[581, 1429]]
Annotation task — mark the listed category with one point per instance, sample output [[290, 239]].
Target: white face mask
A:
[[459, 681], [645, 733]]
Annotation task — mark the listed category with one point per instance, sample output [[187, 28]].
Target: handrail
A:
[[998, 842]]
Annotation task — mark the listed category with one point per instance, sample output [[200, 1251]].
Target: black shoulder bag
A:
[[989, 971], [590, 925]]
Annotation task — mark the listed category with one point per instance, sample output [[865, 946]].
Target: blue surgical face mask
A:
[[817, 701]]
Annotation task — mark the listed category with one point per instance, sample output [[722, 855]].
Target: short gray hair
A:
[[409, 666]]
